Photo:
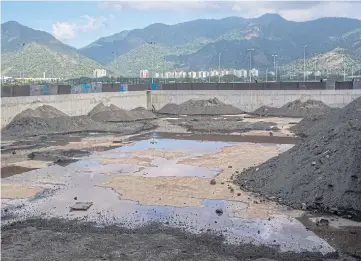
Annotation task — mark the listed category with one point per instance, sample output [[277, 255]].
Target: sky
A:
[[80, 23]]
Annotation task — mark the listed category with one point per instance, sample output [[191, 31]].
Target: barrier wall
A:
[[73, 105], [249, 100], [53, 89]]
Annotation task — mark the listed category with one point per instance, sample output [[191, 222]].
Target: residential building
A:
[[144, 74], [98, 73]]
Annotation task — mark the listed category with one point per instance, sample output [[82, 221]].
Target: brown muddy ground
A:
[[60, 239]]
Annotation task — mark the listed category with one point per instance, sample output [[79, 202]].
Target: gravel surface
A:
[[323, 172], [200, 107], [113, 113], [296, 108], [69, 240]]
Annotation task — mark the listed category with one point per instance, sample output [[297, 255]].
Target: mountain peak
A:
[[269, 17]]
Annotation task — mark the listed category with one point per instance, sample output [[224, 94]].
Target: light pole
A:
[[250, 64], [304, 62], [274, 66], [219, 67], [267, 74], [152, 68]]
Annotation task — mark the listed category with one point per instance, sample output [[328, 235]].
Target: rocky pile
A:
[[113, 113], [48, 120], [296, 108], [44, 111], [323, 172], [226, 126], [200, 107]]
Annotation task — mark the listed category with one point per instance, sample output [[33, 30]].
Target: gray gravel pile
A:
[[200, 107], [44, 111], [113, 113], [296, 108], [142, 113], [306, 127], [323, 172], [224, 126], [61, 125]]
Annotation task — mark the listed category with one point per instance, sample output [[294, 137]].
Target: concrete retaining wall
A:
[[251, 100], [73, 105], [81, 104]]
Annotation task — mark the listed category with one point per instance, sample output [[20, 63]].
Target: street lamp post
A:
[[304, 62], [274, 66], [250, 64], [219, 67], [152, 68]]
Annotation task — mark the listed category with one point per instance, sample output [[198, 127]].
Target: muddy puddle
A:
[[11, 170], [219, 138], [165, 178]]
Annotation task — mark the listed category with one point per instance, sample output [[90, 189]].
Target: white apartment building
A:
[[97, 73], [143, 74], [254, 72]]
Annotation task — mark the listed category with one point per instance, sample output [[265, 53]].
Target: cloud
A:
[[64, 31], [171, 6], [291, 10], [69, 30]]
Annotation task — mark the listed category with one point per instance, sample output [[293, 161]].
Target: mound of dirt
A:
[[265, 111], [44, 111], [141, 113], [200, 107], [202, 126], [323, 172], [33, 126], [113, 113], [296, 108]]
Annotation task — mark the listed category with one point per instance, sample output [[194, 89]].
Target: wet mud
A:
[[71, 240], [11, 170]]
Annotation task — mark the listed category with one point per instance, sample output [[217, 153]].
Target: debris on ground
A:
[[301, 175], [200, 107], [296, 108], [219, 212], [322, 222], [81, 206], [213, 182]]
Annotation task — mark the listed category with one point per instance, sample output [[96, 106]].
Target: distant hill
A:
[[34, 52], [195, 45]]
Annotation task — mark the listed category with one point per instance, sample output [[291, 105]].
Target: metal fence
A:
[[96, 87]]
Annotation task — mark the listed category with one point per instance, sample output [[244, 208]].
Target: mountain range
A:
[[332, 44]]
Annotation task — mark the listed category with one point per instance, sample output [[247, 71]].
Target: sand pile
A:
[[200, 107], [296, 108], [323, 172], [113, 113]]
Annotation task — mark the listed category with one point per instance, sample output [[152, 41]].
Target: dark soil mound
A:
[[308, 125], [170, 108], [44, 111], [296, 108], [42, 126], [141, 113], [113, 113], [265, 111], [323, 172], [203, 126], [200, 107]]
